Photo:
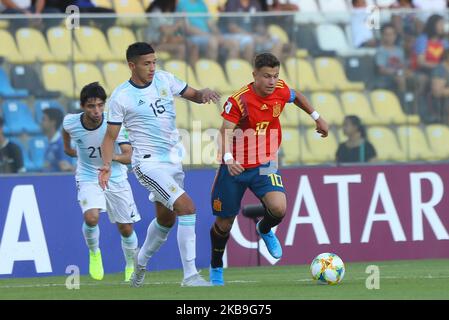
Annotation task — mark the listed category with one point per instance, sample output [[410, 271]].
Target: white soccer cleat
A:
[[138, 276], [195, 281]]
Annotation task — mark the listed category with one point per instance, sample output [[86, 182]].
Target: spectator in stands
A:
[[11, 158], [251, 31], [203, 32], [357, 148], [427, 7], [405, 23], [282, 5], [167, 33], [362, 34], [440, 89], [55, 158], [391, 64], [429, 49], [29, 8], [86, 6]]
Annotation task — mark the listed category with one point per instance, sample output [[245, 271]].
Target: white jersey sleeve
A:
[[116, 111], [177, 86]]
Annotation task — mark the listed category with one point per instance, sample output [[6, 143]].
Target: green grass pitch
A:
[[420, 279]]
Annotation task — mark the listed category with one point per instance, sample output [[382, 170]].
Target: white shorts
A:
[[117, 200], [165, 181]]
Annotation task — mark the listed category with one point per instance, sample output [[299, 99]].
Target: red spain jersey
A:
[[258, 135]]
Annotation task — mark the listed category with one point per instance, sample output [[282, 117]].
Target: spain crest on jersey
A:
[[276, 110]]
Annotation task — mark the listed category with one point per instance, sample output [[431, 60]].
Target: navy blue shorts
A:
[[228, 191]]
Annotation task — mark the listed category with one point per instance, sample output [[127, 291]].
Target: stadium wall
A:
[[361, 213]]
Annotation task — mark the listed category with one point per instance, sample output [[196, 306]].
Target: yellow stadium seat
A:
[[133, 9], [239, 73], [292, 146], [355, 103], [4, 24], [8, 48], [414, 143], [385, 143], [93, 44], [278, 33], [208, 114], [213, 5], [331, 73], [387, 108], [62, 46], [58, 77], [300, 75], [183, 71], [210, 74], [321, 149], [103, 3], [115, 74], [182, 114], [119, 40], [302, 53], [438, 137], [290, 116], [85, 73], [146, 3], [32, 45], [329, 106]]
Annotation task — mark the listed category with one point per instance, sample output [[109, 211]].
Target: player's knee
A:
[[186, 206], [224, 225], [278, 210], [125, 229], [91, 220]]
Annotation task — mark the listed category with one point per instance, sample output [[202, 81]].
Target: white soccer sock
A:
[[129, 245], [92, 236], [187, 243], [156, 236]]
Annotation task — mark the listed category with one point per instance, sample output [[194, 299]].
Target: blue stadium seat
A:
[[29, 165], [37, 146], [18, 118], [41, 105], [7, 91]]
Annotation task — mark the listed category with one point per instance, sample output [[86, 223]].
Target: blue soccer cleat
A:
[[216, 276], [272, 242]]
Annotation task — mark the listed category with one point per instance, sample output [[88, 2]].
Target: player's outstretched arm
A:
[[125, 156], [67, 146], [321, 125], [107, 151], [205, 95]]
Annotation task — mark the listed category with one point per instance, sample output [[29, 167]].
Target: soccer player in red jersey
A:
[[249, 142]]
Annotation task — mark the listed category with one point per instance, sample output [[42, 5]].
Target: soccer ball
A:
[[327, 268]]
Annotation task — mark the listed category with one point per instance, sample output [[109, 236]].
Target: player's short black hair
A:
[[54, 114], [138, 49], [266, 59], [92, 90]]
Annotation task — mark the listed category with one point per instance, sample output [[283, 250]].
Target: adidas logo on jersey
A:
[[264, 107], [141, 102], [79, 141]]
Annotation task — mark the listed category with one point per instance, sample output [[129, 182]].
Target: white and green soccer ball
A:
[[327, 268]]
